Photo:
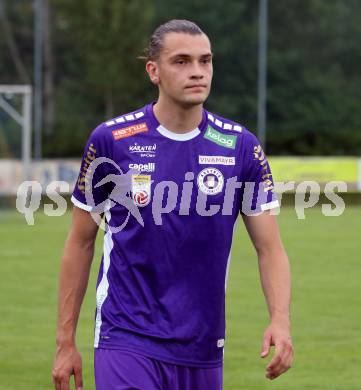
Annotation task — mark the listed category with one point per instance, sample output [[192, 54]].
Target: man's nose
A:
[[196, 72]]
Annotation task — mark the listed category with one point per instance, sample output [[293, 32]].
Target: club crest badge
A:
[[210, 181], [141, 189]]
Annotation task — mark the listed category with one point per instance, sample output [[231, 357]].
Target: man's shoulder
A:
[[122, 126], [228, 126], [127, 119]]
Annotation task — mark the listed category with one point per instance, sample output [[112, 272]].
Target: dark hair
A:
[[152, 52]]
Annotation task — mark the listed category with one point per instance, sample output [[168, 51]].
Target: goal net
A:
[[15, 136]]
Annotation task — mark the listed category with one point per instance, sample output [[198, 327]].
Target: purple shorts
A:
[[119, 370]]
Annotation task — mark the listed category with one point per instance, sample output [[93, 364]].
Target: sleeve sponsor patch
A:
[[129, 131]]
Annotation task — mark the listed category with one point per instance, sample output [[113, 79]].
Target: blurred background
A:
[[81, 59], [66, 66]]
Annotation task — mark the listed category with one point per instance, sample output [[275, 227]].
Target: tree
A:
[[98, 74], [15, 60], [91, 70], [49, 69], [110, 35], [313, 78], [313, 69]]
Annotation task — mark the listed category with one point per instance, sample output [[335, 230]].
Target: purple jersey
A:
[[162, 279]]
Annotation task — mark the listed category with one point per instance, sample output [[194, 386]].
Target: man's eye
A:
[[206, 61], [180, 62]]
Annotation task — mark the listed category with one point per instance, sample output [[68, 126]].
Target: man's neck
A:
[[177, 118]]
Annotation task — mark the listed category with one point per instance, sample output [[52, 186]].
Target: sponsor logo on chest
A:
[[210, 181], [148, 167], [143, 150], [227, 141], [216, 160], [141, 189]]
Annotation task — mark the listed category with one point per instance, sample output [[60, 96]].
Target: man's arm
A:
[[276, 283], [73, 281]]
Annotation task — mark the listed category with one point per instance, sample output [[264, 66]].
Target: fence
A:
[[285, 169]]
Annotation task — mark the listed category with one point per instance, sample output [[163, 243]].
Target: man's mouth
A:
[[196, 86]]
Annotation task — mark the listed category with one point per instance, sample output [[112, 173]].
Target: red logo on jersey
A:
[[141, 198], [129, 131]]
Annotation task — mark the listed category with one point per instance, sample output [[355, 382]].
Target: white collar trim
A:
[[178, 136]]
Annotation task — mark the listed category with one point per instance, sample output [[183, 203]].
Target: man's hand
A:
[[278, 335], [67, 362]]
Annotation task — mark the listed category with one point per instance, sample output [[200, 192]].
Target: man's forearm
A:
[[73, 281], [276, 282]]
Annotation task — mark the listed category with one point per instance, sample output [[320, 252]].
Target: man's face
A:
[[184, 70]]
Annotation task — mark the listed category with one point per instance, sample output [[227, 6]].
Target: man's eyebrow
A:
[[185, 55], [208, 55]]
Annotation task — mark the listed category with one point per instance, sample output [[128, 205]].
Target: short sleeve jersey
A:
[[162, 280]]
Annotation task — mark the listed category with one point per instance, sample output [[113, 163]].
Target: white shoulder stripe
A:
[[224, 126], [125, 118]]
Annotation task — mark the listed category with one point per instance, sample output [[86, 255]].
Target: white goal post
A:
[[23, 119]]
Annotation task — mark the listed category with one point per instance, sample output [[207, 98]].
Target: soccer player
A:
[[160, 300]]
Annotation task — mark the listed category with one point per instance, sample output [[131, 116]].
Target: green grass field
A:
[[325, 258]]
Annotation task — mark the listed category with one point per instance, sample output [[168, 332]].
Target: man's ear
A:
[[152, 69]]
